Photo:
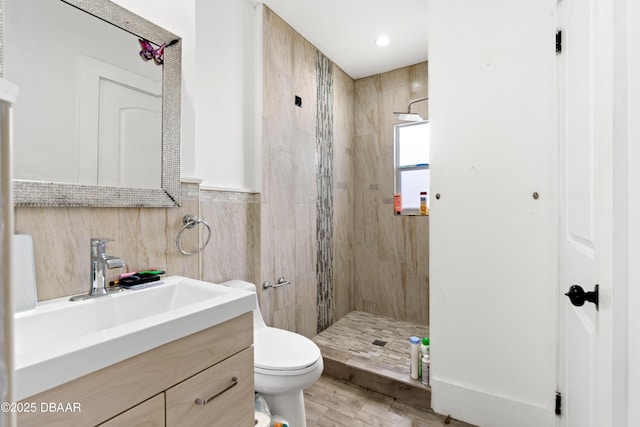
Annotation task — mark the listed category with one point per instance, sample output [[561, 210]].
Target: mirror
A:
[[96, 123]]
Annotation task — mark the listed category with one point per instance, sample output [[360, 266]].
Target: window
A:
[[411, 164]]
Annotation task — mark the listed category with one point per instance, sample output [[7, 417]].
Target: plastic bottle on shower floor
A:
[[426, 369], [424, 346], [415, 357], [424, 349]]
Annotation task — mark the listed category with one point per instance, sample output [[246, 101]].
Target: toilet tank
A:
[[258, 321]]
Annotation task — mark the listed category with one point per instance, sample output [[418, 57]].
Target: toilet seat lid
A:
[[280, 350]]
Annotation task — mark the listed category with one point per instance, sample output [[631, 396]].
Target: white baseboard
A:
[[487, 410]]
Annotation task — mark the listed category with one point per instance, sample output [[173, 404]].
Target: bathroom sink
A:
[[61, 340]]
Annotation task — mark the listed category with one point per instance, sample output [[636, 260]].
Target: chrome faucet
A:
[[100, 262]]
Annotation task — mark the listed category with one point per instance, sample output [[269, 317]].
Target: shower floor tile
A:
[[350, 354]]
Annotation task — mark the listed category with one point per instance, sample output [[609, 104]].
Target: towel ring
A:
[[189, 222]]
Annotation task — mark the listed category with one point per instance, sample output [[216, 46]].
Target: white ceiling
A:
[[346, 31]]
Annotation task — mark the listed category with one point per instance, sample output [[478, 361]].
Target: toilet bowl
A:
[[285, 363]]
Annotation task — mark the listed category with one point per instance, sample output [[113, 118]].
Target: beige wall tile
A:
[[390, 252], [287, 235], [344, 219], [233, 252], [144, 238]]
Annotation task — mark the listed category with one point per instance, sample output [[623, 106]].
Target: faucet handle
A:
[[98, 245], [102, 239]]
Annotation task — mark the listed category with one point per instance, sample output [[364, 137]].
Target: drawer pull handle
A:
[[234, 382]]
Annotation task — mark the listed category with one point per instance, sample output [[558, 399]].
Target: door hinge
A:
[[558, 41], [558, 403]]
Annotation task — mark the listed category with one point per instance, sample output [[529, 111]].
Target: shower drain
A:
[[379, 343]]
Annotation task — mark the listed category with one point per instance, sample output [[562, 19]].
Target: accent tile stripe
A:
[[324, 199]]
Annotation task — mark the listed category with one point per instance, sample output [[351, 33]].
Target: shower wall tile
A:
[[390, 252], [305, 249], [325, 182], [282, 177], [368, 154], [306, 293], [344, 219], [287, 232], [343, 161], [366, 106], [416, 300], [280, 111], [286, 257], [343, 274], [343, 104], [305, 166], [422, 251], [304, 76], [366, 210], [280, 42]]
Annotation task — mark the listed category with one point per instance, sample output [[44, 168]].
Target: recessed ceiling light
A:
[[382, 41]]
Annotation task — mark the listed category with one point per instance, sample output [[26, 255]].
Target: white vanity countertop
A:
[[61, 340]]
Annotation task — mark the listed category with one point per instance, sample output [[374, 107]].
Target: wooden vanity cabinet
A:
[[147, 414], [160, 387]]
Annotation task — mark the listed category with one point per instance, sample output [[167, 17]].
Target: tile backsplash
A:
[[144, 238]]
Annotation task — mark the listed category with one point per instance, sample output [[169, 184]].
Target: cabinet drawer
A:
[[224, 392], [146, 414]]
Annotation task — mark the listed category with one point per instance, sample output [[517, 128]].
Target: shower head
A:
[[408, 115]]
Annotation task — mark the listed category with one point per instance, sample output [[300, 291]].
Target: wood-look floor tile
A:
[[337, 419], [423, 415], [336, 399], [335, 403], [314, 411], [374, 416]]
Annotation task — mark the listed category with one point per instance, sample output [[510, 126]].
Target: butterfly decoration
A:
[[158, 55], [148, 52]]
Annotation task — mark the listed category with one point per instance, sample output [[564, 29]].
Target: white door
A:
[[120, 125], [130, 136], [632, 17], [586, 205]]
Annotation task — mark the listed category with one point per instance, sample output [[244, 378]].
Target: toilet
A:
[[285, 363]]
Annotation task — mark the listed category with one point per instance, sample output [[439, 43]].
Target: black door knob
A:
[[578, 296]]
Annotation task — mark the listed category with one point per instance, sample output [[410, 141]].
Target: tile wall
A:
[[324, 192], [144, 238], [343, 191], [288, 231], [390, 253], [288, 209], [233, 252]]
